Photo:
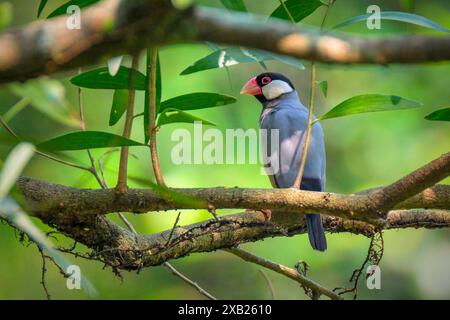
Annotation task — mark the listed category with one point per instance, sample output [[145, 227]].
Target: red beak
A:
[[251, 87]]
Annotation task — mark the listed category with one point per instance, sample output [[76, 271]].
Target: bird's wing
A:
[[292, 123]]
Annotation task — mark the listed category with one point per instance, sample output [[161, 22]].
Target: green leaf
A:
[[6, 14], [42, 5], [119, 105], [323, 85], [198, 100], [114, 65], [63, 9], [369, 103], [179, 116], [81, 140], [47, 96], [234, 55], [13, 166], [287, 60], [298, 9], [439, 115], [101, 79], [396, 16], [147, 96], [234, 5], [15, 109]]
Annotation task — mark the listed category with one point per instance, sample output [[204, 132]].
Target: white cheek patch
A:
[[275, 89]]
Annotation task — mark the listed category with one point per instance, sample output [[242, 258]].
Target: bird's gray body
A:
[[290, 117]]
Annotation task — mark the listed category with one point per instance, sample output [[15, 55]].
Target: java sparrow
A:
[[282, 110]]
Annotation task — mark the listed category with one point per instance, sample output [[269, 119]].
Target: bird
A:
[[283, 110]]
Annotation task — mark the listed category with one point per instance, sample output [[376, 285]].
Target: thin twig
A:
[[93, 169], [374, 256], [43, 154], [269, 284], [123, 166], [152, 60], [283, 270], [173, 228], [152, 116], [287, 11], [189, 281], [44, 270], [82, 121], [15, 109], [301, 169]]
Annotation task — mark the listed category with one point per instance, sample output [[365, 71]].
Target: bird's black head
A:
[[268, 86]]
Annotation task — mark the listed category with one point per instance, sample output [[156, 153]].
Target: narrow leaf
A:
[[323, 85], [114, 65], [49, 97], [198, 100], [13, 166], [234, 5], [396, 16], [42, 5], [101, 79], [63, 9], [86, 140], [369, 103], [298, 9], [232, 56], [439, 115], [212, 46], [119, 105], [147, 95], [287, 60], [180, 116]]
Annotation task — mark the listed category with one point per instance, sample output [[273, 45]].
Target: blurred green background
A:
[[363, 151]]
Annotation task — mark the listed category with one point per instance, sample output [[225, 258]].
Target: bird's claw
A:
[[266, 212]]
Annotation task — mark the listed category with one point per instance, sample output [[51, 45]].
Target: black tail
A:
[[315, 232]]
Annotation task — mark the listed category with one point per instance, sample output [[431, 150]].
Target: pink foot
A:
[[266, 212]]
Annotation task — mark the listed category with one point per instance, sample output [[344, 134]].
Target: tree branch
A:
[[78, 213], [123, 166], [25, 55], [288, 272], [48, 198], [151, 74], [413, 183], [119, 248]]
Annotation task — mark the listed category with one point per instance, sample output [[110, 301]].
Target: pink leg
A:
[[266, 212]]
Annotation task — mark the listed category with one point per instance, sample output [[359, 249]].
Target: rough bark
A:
[[115, 27]]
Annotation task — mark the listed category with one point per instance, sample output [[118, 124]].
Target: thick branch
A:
[[114, 27], [50, 198], [414, 182], [121, 249], [77, 213]]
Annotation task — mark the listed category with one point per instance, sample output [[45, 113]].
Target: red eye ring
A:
[[265, 80]]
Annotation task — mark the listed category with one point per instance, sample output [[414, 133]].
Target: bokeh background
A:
[[363, 151]]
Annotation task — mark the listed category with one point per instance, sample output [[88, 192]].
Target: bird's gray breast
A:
[[282, 152]]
